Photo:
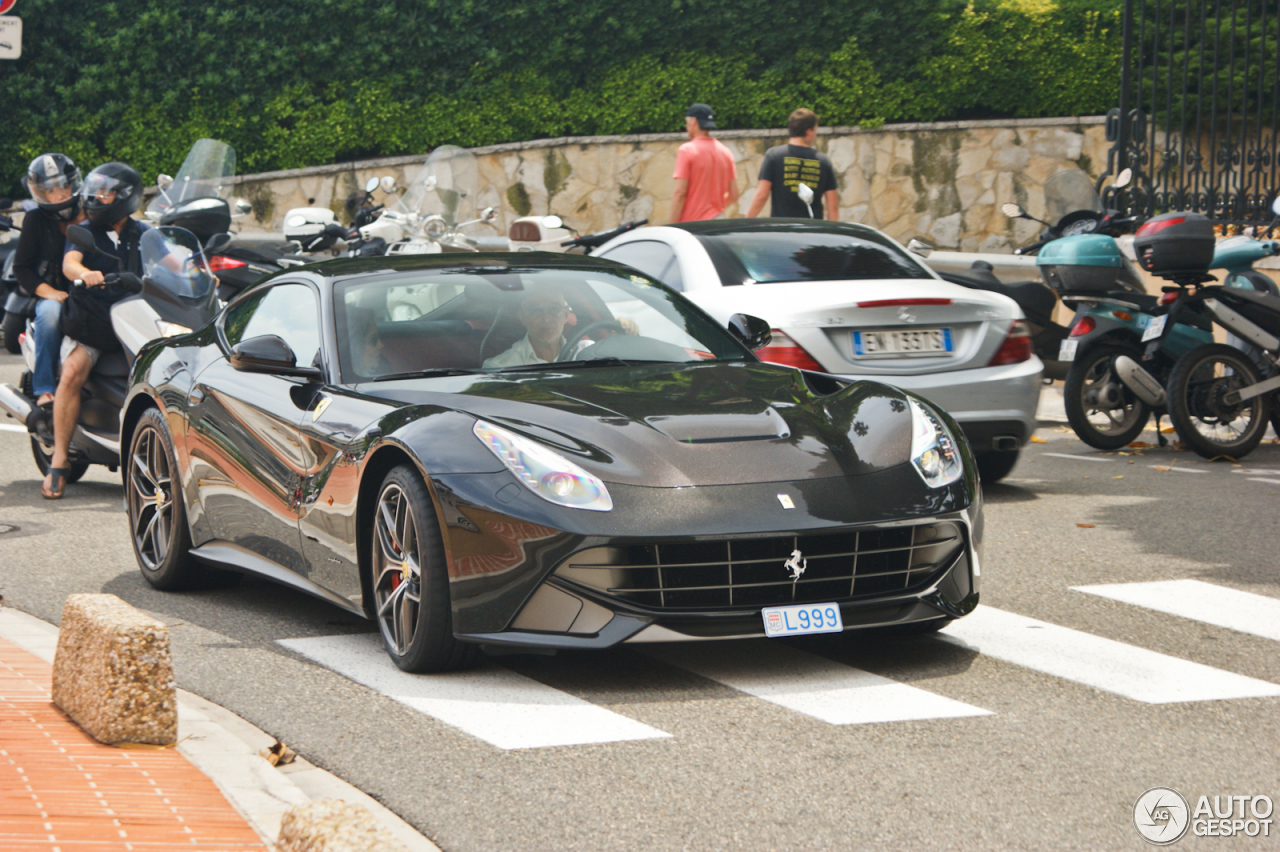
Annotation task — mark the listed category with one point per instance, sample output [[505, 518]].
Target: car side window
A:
[[287, 310], [651, 257]]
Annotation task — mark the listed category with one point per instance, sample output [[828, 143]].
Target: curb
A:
[[225, 747]]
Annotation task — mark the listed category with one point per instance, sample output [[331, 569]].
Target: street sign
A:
[[10, 36], [6, 6]]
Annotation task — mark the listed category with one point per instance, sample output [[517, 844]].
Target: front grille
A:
[[751, 572]]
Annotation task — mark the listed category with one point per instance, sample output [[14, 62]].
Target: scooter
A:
[[175, 294], [18, 306], [1220, 396]]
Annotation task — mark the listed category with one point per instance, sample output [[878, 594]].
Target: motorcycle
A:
[[175, 294], [199, 200], [1220, 396], [18, 306]]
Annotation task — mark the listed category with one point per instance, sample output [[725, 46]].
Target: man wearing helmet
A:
[[54, 183], [112, 192]]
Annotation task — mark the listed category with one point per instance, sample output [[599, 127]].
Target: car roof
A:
[[719, 227], [352, 267]]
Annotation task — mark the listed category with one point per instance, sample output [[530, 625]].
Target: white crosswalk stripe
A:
[[1091, 660], [1198, 601], [812, 685], [502, 708], [1076, 458]]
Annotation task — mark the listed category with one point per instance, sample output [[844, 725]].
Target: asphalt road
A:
[[1041, 743]]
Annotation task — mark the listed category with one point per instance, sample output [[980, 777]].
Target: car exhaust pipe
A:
[[1138, 380], [1004, 442], [14, 404]]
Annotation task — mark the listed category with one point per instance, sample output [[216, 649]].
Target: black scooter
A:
[[18, 306]]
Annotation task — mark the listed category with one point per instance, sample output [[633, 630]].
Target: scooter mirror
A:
[[81, 238], [243, 207], [805, 193], [430, 182], [388, 184], [216, 243], [552, 222], [371, 184], [488, 214], [919, 247], [1275, 206], [1123, 179], [1012, 210], [164, 181], [6, 203]]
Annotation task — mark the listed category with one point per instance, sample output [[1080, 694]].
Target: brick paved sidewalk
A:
[[62, 790]]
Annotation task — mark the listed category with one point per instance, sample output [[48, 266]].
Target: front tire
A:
[[411, 580], [13, 326], [1208, 424], [157, 514], [1093, 386]]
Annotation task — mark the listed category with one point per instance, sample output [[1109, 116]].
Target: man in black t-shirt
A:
[[787, 166]]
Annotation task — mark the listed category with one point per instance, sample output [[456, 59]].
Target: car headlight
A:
[[543, 471], [935, 452]]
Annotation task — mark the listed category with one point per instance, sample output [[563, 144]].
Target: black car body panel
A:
[[280, 472]]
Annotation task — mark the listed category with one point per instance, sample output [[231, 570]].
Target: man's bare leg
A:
[[66, 408]]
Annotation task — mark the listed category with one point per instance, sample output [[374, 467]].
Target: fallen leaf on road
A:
[[1222, 458], [1139, 444], [1035, 439], [1168, 429], [1085, 526], [278, 755], [1179, 445], [1121, 476], [1162, 467]]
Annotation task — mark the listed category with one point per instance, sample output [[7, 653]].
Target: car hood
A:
[[686, 425]]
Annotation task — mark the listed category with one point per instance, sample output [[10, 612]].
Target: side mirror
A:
[[371, 184], [243, 207], [919, 247], [164, 181], [268, 354], [81, 238], [388, 184], [1123, 179], [430, 183], [753, 332], [1012, 210], [488, 214], [551, 222], [217, 243]]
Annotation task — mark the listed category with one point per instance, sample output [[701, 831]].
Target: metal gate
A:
[[1200, 107]]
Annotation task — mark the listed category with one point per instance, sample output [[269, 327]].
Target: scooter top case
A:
[[1084, 263]]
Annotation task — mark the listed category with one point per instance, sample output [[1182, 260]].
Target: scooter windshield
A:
[[206, 173], [1069, 191], [446, 185], [173, 260]]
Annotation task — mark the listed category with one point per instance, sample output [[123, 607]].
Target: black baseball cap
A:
[[702, 112]]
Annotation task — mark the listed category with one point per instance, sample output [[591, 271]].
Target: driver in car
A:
[[543, 313]]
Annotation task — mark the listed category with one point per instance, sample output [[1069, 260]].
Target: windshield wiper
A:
[[611, 361], [421, 374]]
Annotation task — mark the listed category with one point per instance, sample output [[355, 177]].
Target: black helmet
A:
[[54, 183], [112, 192]]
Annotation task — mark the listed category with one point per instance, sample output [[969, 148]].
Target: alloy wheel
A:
[[150, 498], [397, 574]]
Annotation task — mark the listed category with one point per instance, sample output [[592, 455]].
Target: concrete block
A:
[[112, 672], [330, 825]]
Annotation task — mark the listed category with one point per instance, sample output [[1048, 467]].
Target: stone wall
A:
[[943, 182]]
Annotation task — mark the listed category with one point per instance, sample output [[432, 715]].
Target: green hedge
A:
[[303, 82]]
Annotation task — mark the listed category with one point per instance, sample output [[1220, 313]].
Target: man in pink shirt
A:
[[706, 179]]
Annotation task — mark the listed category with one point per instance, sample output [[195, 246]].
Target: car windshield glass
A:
[[436, 321], [803, 254]]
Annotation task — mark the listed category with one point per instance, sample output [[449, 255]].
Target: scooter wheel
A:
[[1093, 388], [45, 459], [1198, 390]]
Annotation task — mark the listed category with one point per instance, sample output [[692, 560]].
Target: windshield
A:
[[802, 253], [206, 173], [499, 319], [173, 260], [446, 185], [1069, 191]]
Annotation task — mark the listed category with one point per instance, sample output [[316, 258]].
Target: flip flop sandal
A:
[[60, 480]]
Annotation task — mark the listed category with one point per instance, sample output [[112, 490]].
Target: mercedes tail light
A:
[[1016, 347], [784, 350]]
